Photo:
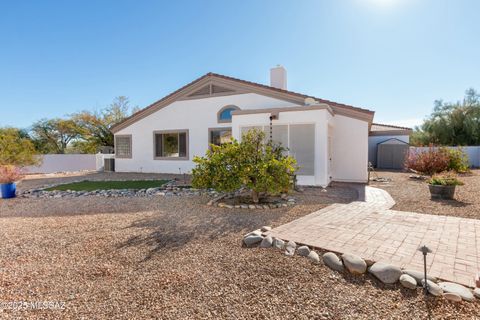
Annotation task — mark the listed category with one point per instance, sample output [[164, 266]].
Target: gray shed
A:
[[391, 154]]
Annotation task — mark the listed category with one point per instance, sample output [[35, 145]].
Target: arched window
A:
[[225, 114]]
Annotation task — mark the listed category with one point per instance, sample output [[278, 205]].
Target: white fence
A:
[[472, 152], [52, 163]]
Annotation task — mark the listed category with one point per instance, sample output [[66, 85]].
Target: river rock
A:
[[386, 273], [433, 288], [290, 248], [266, 242], [303, 251], [252, 240], [332, 261], [462, 291], [476, 292], [418, 276], [408, 281], [278, 244], [313, 256], [354, 264], [452, 297], [265, 228]]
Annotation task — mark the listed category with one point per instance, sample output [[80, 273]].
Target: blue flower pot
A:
[[8, 190]]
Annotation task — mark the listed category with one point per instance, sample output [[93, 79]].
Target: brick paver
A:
[[369, 229]]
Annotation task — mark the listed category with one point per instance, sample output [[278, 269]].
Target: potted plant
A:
[[8, 176], [442, 186]]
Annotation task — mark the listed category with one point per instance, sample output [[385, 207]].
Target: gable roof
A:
[[379, 129], [235, 86]]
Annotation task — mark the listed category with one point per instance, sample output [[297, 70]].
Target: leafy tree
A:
[[96, 125], [253, 164], [16, 148], [456, 124], [54, 135]]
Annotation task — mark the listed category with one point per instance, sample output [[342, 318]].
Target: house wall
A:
[[373, 141], [195, 115], [350, 149], [320, 118]]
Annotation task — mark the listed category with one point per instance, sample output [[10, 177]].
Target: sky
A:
[[391, 56]]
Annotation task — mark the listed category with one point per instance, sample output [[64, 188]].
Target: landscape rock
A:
[[462, 291], [313, 256], [290, 248], [254, 233], [252, 240], [332, 261], [386, 273], [452, 297], [303, 251], [354, 264], [433, 288], [265, 228], [266, 242], [278, 244], [476, 292], [418, 276], [408, 281]]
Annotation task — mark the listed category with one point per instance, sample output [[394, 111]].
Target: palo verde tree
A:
[[253, 163], [16, 148]]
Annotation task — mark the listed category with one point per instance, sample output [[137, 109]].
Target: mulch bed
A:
[[177, 258], [413, 195]]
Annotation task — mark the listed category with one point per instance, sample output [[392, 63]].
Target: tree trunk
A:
[[255, 196]]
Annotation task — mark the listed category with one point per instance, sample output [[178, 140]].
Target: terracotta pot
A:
[[442, 192]]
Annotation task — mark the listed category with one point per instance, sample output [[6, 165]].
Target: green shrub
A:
[[458, 160], [445, 179], [252, 163]]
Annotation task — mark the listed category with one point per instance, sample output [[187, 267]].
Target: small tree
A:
[[16, 149], [252, 163]]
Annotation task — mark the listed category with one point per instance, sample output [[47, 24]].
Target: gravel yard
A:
[[413, 195], [176, 258]]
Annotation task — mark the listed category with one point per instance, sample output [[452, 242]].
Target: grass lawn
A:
[[106, 185]]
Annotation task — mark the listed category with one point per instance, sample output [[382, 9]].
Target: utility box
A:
[[109, 165]]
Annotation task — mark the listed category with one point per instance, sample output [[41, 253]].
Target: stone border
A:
[[283, 202], [385, 273]]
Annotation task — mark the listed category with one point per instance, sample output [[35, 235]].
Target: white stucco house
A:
[[329, 140]]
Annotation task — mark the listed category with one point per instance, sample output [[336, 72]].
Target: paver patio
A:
[[369, 229]]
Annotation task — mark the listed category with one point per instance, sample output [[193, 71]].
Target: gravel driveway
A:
[[176, 258]]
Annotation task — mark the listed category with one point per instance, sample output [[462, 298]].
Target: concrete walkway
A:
[[369, 229]]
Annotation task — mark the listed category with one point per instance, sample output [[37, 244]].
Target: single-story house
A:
[[380, 133], [328, 139]]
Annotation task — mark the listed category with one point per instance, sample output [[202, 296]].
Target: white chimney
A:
[[278, 77]]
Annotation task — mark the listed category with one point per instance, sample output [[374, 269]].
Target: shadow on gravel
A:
[[173, 230], [452, 203]]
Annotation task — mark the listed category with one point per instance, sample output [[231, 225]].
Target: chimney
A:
[[278, 77]]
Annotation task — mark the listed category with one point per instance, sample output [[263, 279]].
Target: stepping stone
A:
[[332, 261], [433, 288], [354, 264], [266, 242], [303, 251], [408, 281], [278, 244], [418, 276], [386, 273], [452, 297], [313, 256], [458, 289], [252, 240]]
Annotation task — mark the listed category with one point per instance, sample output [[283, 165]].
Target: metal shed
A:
[[391, 154]]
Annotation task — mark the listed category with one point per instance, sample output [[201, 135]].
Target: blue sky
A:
[[392, 56]]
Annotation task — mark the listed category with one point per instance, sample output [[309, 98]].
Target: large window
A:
[[123, 146], [172, 145], [219, 136], [225, 114]]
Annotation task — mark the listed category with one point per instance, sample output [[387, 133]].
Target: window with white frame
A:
[[123, 146], [171, 145]]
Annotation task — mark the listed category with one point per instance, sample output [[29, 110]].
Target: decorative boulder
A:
[[313, 256], [252, 240], [332, 261], [303, 251], [386, 273], [418, 276], [408, 281], [278, 244], [452, 297], [354, 264], [290, 248], [458, 289], [266, 242], [433, 288]]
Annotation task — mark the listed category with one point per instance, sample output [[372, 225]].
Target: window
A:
[[172, 144], [220, 136], [225, 114], [123, 146]]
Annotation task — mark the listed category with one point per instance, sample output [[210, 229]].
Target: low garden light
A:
[[425, 250]]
